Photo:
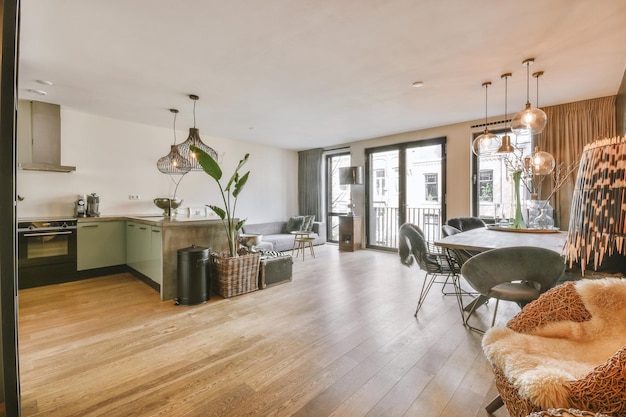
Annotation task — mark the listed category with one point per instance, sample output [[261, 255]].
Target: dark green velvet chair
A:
[[520, 274]]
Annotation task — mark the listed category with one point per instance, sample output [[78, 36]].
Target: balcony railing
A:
[[386, 224]]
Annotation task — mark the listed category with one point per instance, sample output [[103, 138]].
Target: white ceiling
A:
[[299, 74]]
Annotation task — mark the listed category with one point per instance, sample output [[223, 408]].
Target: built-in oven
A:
[[46, 251]]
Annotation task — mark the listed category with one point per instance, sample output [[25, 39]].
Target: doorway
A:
[[337, 195], [405, 183]]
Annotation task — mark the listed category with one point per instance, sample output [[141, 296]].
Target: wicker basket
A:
[[602, 389], [562, 412], [234, 276]]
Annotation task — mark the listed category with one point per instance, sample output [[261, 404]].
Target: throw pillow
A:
[[307, 226], [271, 254], [294, 224]]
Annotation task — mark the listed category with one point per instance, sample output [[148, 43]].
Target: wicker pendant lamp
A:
[[173, 163], [194, 139]]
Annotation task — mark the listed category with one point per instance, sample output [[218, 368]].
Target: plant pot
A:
[[235, 275]]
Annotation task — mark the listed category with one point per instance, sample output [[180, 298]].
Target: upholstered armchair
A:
[[565, 349]]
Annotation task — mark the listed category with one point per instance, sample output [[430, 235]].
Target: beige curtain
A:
[[570, 127]]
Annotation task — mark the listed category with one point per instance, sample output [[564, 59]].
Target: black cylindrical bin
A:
[[193, 275]]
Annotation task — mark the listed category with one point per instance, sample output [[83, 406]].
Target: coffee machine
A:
[[93, 205], [80, 209]]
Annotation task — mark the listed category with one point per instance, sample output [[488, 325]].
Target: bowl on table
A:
[[250, 240], [167, 204]]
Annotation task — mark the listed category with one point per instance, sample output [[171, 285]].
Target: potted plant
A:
[[229, 194], [235, 274]]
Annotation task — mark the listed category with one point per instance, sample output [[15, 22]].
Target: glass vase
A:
[[544, 219], [518, 219]]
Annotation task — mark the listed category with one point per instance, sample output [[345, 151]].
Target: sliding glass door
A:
[[405, 183], [337, 195]]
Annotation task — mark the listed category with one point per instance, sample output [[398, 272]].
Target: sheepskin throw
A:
[[542, 362]]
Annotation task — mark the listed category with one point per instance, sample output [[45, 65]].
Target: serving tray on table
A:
[[512, 230]]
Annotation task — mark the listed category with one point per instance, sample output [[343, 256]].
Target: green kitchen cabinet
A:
[[155, 263], [138, 243], [101, 244], [144, 250]]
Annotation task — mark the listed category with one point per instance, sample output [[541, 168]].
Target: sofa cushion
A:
[[307, 225], [294, 224], [274, 235], [271, 228], [280, 242]]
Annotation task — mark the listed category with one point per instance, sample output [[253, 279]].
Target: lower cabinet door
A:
[[155, 265], [144, 250], [101, 244]]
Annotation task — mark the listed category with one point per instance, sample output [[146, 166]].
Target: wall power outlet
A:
[[134, 197]]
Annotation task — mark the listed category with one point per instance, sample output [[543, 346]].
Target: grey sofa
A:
[[274, 233]]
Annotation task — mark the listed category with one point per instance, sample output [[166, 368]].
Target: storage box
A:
[[275, 270]]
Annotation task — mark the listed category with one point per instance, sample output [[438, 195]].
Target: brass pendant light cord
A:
[[528, 82], [506, 83], [486, 87], [536, 75]]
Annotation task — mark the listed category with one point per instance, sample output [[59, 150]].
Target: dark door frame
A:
[[328, 179], [8, 201], [402, 147]]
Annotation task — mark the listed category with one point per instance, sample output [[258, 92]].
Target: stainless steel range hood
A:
[[39, 137]]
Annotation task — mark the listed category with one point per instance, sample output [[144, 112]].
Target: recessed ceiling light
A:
[[40, 92], [418, 84], [45, 82]]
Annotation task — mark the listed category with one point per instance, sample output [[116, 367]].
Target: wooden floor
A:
[[339, 340]]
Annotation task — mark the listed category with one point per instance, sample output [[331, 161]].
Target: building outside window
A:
[[432, 187], [494, 200], [485, 185], [379, 176]]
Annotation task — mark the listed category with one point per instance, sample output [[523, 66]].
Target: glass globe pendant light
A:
[[530, 121], [174, 163], [487, 143], [542, 162]]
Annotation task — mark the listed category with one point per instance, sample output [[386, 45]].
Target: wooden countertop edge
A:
[[154, 220]]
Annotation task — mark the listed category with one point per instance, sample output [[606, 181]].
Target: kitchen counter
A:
[[156, 220], [177, 232]]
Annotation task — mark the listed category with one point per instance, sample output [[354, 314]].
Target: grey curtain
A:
[[310, 183], [570, 127]]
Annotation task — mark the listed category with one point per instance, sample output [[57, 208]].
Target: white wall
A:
[[115, 158], [458, 162]]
